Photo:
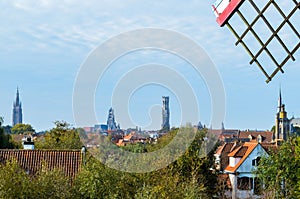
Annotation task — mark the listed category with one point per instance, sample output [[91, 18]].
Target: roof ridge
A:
[[253, 146]]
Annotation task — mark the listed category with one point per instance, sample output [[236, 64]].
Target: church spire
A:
[[17, 110], [279, 100], [17, 97]]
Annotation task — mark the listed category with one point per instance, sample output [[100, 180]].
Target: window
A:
[[245, 183], [255, 162]]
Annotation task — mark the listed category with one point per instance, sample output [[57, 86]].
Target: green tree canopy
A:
[[46, 184], [6, 141], [62, 136], [22, 129], [279, 172]]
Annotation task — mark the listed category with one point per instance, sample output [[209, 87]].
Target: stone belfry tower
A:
[[281, 122], [17, 110], [165, 114], [111, 123]]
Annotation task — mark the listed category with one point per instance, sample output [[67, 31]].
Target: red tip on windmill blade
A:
[[224, 9]]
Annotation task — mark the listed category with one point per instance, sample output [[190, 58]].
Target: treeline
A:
[[279, 172], [187, 177]]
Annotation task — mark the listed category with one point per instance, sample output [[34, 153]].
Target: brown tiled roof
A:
[[216, 132], [270, 147], [68, 161], [223, 151], [241, 152], [267, 136], [245, 149]]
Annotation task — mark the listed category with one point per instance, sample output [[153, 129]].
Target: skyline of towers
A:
[[165, 113], [17, 110]]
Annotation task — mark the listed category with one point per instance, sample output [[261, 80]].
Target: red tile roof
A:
[[223, 151], [68, 161], [270, 147], [267, 136], [243, 151]]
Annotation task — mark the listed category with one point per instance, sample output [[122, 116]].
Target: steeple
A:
[[17, 97], [281, 121], [279, 100], [17, 110]]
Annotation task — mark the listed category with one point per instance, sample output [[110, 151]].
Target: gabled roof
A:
[[270, 147], [239, 152], [267, 136], [243, 151], [68, 161], [225, 148]]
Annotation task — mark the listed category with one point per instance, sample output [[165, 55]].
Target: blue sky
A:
[[44, 43]]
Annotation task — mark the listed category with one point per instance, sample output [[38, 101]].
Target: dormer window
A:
[[250, 137], [259, 139]]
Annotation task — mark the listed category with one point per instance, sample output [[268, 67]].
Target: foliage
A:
[[7, 129], [22, 129], [279, 172], [6, 141], [15, 183], [98, 181], [60, 137], [135, 148], [273, 129], [51, 184], [187, 177]]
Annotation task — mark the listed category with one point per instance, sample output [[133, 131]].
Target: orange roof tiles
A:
[[245, 150], [68, 161], [129, 136]]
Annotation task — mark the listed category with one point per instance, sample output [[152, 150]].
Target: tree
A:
[[60, 137], [14, 182], [51, 184], [22, 129], [6, 141], [278, 171]]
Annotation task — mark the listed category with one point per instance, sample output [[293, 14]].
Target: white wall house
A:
[[242, 161]]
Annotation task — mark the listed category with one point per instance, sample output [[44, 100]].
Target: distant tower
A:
[[111, 123], [223, 126], [17, 111], [281, 121], [165, 114], [200, 126]]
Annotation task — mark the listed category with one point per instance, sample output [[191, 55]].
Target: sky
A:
[[45, 43]]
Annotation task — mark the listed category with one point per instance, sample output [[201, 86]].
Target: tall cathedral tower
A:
[[281, 122], [165, 114], [17, 111], [111, 123]]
